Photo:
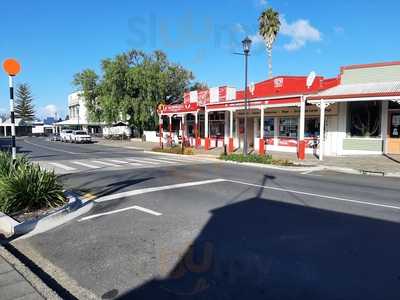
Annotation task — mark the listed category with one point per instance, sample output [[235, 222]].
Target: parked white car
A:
[[65, 135], [80, 136]]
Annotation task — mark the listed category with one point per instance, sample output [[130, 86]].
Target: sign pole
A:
[[12, 68], [12, 115]]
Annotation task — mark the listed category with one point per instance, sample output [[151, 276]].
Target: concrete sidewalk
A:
[[12, 284]]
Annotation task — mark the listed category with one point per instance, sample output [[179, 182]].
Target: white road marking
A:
[[142, 160], [118, 161], [156, 189], [159, 160], [62, 166], [146, 210], [85, 165], [314, 195], [51, 148], [307, 172], [105, 163]]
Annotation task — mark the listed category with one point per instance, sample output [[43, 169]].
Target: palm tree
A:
[[269, 26]]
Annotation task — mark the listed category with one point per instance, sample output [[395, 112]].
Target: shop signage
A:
[[295, 111], [278, 82], [178, 108]]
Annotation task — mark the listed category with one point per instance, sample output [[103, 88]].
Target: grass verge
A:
[[255, 158], [175, 150]]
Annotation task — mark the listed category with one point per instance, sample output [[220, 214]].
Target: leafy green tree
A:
[[131, 86], [198, 86], [87, 81], [269, 25], [24, 108]]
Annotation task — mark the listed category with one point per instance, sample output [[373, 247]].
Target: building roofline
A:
[[371, 65]]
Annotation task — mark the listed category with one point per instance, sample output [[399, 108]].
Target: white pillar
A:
[[384, 124], [206, 124], [262, 123], [231, 124], [322, 130], [302, 118]]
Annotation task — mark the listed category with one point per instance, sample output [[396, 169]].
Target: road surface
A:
[[173, 228]]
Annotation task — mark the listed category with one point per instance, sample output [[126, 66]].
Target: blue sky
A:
[[55, 39]]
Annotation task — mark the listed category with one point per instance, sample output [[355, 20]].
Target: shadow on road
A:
[[263, 249]]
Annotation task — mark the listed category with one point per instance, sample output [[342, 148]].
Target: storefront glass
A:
[[364, 119], [269, 127], [288, 127], [217, 124], [311, 127]]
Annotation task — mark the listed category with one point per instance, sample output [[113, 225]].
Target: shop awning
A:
[[360, 91]]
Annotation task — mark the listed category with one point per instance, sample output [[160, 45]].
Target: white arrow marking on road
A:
[[61, 166], [85, 165], [146, 210], [156, 189]]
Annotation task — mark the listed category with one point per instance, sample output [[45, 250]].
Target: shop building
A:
[[357, 112]]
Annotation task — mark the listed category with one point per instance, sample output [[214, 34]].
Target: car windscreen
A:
[[80, 133]]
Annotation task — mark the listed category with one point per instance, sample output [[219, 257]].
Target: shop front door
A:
[[393, 139]]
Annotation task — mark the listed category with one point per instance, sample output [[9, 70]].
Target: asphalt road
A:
[[205, 230]]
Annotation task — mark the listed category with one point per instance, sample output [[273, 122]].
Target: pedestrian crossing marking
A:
[[105, 163], [141, 160], [85, 165], [61, 166], [118, 161]]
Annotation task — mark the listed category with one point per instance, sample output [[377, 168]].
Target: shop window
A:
[[269, 127], [217, 123], [394, 105], [311, 127], [364, 119], [288, 127]]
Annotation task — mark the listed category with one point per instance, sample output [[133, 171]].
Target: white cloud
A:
[[256, 39], [50, 110], [301, 32], [263, 2]]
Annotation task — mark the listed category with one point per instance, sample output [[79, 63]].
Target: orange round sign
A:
[[11, 66]]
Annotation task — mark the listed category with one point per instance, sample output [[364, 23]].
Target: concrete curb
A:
[[275, 167], [75, 207]]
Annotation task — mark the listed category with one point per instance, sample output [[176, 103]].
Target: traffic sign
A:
[[11, 67]]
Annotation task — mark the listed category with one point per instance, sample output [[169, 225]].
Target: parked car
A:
[[55, 137], [65, 135], [80, 136]]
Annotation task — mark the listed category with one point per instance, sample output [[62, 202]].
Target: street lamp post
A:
[[246, 50]]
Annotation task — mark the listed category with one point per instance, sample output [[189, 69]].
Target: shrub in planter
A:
[[25, 187], [7, 165]]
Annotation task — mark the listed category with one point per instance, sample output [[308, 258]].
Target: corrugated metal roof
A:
[[360, 89]]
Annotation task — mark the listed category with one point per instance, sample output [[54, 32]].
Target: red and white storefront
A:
[[215, 117], [356, 113]]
